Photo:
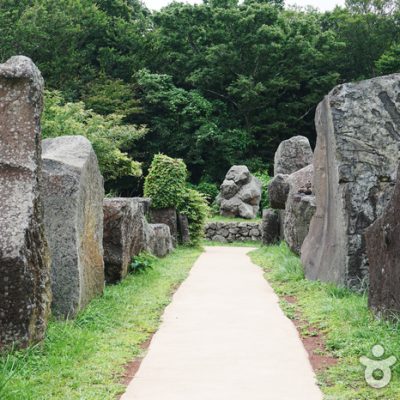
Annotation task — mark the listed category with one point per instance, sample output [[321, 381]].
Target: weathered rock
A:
[[144, 202], [355, 163], [24, 259], [239, 174], [278, 190], [122, 227], [228, 189], [219, 238], [167, 216], [293, 154], [240, 194], [383, 249], [73, 209], [183, 228], [159, 240], [300, 208], [270, 227], [141, 226]]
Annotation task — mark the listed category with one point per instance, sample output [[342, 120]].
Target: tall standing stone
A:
[[73, 207], [355, 164], [24, 260]]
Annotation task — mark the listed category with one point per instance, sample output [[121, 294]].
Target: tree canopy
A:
[[216, 84]]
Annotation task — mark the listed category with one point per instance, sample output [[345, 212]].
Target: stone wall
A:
[[228, 232]]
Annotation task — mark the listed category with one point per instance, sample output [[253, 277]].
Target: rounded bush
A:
[[165, 183], [195, 207]]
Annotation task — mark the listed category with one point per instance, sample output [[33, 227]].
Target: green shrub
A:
[[165, 183], [142, 262], [209, 189], [195, 207], [264, 178]]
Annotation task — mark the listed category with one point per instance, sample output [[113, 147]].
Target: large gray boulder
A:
[[240, 193], [73, 208], [278, 191], [293, 154], [355, 162], [25, 292], [383, 249], [123, 227], [300, 208]]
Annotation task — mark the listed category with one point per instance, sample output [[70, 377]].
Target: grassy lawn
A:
[[350, 328], [220, 218], [84, 359]]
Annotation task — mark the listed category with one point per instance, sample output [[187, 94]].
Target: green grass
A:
[[84, 359], [220, 218], [350, 328]]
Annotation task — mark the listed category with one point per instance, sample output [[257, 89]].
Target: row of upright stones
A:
[[60, 240], [341, 212]]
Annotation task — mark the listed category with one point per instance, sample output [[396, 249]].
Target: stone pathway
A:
[[224, 337]]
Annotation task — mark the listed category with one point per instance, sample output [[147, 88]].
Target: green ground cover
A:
[[84, 359], [350, 328]]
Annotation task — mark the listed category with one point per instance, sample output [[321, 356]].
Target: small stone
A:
[[219, 238], [159, 240], [167, 216]]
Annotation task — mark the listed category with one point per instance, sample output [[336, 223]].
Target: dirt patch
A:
[[313, 340], [132, 367]]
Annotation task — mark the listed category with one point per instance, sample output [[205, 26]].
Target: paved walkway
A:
[[224, 337]]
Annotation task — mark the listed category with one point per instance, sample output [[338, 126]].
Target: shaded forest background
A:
[[216, 84]]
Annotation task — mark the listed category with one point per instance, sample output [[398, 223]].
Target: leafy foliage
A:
[[264, 179], [107, 134], [208, 189], [195, 207], [165, 183], [142, 262], [217, 84]]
